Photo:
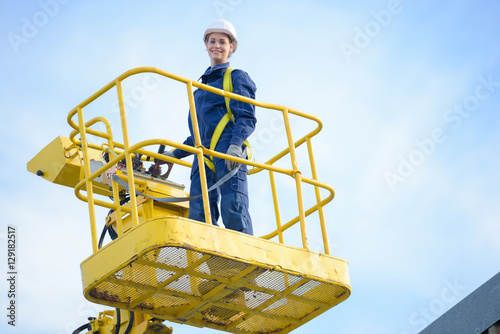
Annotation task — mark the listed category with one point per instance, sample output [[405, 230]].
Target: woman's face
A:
[[219, 48]]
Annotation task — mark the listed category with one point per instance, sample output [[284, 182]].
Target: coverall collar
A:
[[211, 69]]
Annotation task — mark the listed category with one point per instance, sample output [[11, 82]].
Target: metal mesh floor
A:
[[200, 289]]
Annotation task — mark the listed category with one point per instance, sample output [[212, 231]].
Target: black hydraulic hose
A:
[[112, 233], [118, 321], [103, 234], [130, 323], [81, 328]]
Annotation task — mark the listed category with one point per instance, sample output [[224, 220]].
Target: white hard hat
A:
[[224, 27]]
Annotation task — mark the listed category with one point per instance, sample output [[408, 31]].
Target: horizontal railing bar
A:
[[119, 152]]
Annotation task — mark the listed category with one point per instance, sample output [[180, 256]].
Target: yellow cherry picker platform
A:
[[161, 265]]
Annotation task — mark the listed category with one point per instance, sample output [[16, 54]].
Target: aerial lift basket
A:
[[169, 267], [189, 272]]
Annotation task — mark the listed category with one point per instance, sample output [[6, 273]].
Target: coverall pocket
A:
[[238, 183]]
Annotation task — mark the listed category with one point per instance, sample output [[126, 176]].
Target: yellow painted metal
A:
[[318, 198], [201, 150], [147, 208], [128, 159], [276, 207], [107, 321], [60, 162], [88, 181], [206, 276], [201, 160], [108, 135], [297, 176], [166, 266], [118, 211]]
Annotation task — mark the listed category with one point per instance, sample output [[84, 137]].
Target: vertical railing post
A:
[[128, 158], [276, 206], [199, 146], [88, 183], [118, 211], [114, 185], [318, 197], [298, 178], [302, 216]]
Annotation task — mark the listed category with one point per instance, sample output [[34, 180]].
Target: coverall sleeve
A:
[[244, 113], [179, 154]]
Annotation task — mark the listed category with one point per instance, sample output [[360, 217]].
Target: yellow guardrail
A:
[[126, 151]]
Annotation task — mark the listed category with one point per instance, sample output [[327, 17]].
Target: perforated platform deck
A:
[[192, 273]]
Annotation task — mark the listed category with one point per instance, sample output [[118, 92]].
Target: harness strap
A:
[[227, 85]]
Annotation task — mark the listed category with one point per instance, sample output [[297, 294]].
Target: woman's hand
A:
[[235, 151]]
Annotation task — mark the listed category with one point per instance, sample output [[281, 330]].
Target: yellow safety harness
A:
[[227, 85]]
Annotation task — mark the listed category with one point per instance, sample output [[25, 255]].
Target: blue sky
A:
[[409, 93]]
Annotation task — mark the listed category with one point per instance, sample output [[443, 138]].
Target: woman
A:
[[221, 42]]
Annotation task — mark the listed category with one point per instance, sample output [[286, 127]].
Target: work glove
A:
[[169, 154], [235, 151], [156, 168]]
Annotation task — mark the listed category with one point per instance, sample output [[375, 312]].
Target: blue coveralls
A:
[[210, 108]]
